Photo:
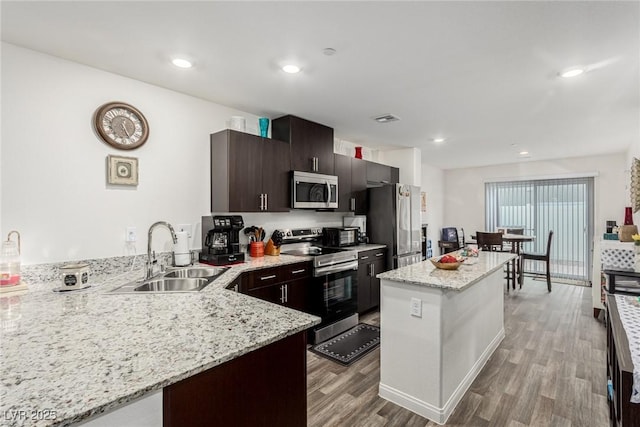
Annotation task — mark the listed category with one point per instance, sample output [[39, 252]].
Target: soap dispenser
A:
[[10, 261]]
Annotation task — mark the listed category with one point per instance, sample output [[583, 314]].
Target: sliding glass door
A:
[[564, 206]]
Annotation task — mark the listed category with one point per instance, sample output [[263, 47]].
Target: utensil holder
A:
[[271, 249], [256, 249]]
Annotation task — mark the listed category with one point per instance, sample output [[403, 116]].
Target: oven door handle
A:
[[323, 271]]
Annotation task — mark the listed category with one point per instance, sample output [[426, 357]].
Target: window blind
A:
[[564, 206]]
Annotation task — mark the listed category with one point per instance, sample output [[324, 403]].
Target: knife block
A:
[[271, 249]]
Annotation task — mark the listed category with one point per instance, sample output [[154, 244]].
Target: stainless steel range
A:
[[334, 290]]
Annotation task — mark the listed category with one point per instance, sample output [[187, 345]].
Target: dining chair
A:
[[546, 257], [489, 241], [515, 230], [493, 242]]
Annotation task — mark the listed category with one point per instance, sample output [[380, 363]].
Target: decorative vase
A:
[[628, 216], [263, 122]]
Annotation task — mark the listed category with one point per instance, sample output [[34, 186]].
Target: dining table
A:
[[516, 241]]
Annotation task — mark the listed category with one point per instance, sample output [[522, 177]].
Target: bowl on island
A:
[[447, 265]]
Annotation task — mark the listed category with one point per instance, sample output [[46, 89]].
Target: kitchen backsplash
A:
[[294, 219]]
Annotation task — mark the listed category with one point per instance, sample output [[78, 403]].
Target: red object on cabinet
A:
[[359, 154]]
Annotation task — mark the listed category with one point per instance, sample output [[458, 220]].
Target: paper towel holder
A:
[[182, 256]]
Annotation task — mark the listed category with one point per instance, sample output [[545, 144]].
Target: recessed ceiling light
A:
[[524, 153], [181, 63], [329, 51], [438, 140], [572, 72], [291, 69]]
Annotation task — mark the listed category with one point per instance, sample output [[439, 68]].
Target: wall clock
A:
[[121, 125]]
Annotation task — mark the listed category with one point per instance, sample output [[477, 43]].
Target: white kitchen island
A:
[[438, 328]]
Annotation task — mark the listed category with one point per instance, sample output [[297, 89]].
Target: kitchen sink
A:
[[196, 272], [187, 279], [168, 284]]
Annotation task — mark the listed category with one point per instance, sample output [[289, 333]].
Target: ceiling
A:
[[484, 75]]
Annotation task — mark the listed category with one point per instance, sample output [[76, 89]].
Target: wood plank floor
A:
[[548, 371]]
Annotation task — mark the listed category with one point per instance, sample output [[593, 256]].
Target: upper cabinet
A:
[[249, 173], [352, 184], [382, 174], [311, 143]]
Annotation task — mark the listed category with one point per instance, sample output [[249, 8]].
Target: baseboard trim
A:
[[430, 411]]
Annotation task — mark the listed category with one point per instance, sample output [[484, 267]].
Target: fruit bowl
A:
[[446, 265]]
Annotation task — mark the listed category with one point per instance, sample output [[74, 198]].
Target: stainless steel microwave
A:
[[313, 191]]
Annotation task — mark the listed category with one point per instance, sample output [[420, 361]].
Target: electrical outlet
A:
[[131, 234], [184, 227], [416, 307]]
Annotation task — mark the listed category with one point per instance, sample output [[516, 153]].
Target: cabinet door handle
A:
[[286, 293], [353, 203], [380, 254], [302, 270], [266, 202], [373, 270], [364, 257], [261, 202], [282, 294], [273, 276]]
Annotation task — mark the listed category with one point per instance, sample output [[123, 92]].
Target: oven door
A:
[[314, 191], [336, 292]]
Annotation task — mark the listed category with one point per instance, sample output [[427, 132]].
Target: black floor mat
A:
[[350, 345]]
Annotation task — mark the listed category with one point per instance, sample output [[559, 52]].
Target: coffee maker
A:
[[221, 244]]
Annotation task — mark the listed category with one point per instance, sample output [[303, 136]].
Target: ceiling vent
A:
[[386, 118]]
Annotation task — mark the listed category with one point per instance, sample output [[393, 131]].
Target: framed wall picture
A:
[[122, 170]]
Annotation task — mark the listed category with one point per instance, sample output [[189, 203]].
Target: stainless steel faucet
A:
[[151, 257]]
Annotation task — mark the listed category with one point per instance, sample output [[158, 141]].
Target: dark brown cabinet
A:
[[378, 173], [249, 173], [265, 387], [352, 184], [286, 285], [370, 263], [311, 143]]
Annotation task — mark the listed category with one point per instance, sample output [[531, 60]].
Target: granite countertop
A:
[[82, 353], [471, 271], [366, 247]]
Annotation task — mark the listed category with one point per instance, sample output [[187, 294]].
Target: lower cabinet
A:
[[370, 263], [266, 387], [286, 285]]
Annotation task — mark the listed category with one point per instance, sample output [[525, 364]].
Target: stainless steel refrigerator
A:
[[394, 219]]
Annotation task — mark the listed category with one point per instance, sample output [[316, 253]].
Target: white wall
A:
[[407, 160], [53, 172], [464, 188], [53, 165], [433, 185]]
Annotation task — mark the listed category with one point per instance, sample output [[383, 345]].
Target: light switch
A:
[[416, 307]]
